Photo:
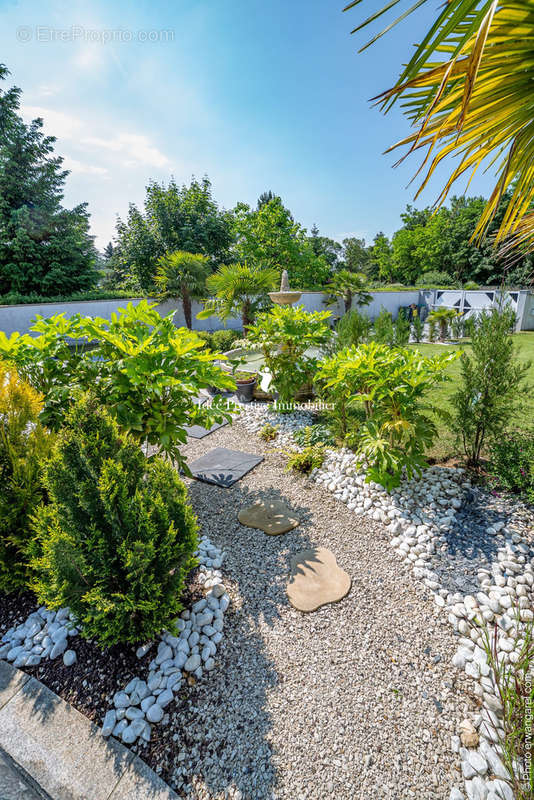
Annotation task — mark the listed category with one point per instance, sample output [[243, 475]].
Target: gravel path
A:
[[357, 700]]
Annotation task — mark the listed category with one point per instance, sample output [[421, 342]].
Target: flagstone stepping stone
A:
[[198, 432], [271, 516], [224, 467], [316, 579]]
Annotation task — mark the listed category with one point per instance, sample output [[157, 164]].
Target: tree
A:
[[264, 198], [348, 286], [45, 248], [181, 274], [174, 218], [356, 256], [270, 237], [326, 248], [475, 103], [380, 253], [238, 289]]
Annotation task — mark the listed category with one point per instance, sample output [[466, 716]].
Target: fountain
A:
[[285, 297]]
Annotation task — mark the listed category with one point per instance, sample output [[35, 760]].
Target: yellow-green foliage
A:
[[24, 447], [116, 542]]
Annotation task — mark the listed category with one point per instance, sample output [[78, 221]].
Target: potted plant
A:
[[246, 383]]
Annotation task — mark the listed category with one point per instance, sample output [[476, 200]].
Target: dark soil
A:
[[15, 608]]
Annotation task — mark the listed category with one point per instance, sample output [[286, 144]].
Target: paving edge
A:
[[63, 751]]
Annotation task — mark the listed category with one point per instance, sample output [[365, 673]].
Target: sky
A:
[[257, 95]]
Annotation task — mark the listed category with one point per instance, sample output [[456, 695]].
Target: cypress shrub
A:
[[24, 448], [116, 542]]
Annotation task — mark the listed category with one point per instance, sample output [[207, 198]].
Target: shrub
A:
[[383, 328], [491, 379], [353, 328], [417, 328], [390, 386], [284, 335], [435, 278], [471, 285], [401, 331], [269, 432], [224, 340], [142, 368], [116, 542], [308, 459], [432, 329], [511, 463], [443, 317], [24, 448], [457, 327], [313, 434], [470, 326], [342, 418]]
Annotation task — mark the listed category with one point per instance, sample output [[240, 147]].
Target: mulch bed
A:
[[90, 683]]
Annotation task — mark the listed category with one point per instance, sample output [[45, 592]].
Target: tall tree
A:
[[45, 248], [380, 254], [356, 255], [174, 218], [326, 248]]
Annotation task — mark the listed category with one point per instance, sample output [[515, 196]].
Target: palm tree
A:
[[238, 289], [182, 274], [467, 90], [348, 285], [443, 317]]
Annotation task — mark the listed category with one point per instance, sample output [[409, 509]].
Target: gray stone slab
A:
[[224, 467], [198, 432], [15, 784], [11, 681], [139, 782], [58, 747]]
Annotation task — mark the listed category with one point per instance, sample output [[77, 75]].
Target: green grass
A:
[[445, 447]]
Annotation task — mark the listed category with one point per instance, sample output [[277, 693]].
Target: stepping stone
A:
[[224, 467], [271, 516], [198, 432], [315, 579]]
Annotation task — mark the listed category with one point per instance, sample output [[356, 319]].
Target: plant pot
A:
[[245, 389]]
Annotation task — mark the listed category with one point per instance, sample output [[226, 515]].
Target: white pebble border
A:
[[254, 416], [418, 513], [191, 649]]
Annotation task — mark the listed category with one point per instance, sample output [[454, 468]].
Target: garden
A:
[[189, 551]]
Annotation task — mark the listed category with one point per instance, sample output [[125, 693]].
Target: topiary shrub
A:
[[24, 448], [116, 542]]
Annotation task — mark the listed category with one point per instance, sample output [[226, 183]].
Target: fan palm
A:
[[183, 275], [238, 289], [348, 285], [467, 90]]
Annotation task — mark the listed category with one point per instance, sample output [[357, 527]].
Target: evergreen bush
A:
[[116, 542], [24, 448]]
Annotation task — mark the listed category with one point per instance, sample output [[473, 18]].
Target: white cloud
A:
[[56, 123], [134, 147], [76, 166]]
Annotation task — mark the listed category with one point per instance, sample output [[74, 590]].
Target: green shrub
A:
[[269, 432], [471, 285], [143, 369], [283, 335], [310, 458], [313, 434], [470, 325], [511, 463], [24, 448], [116, 542], [353, 328], [417, 328], [435, 278], [223, 340], [491, 379], [390, 386], [432, 329], [443, 317], [383, 332], [401, 330]]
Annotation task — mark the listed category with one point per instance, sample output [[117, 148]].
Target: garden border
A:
[[63, 751]]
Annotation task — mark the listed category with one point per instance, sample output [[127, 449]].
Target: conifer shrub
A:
[[24, 448], [116, 542]]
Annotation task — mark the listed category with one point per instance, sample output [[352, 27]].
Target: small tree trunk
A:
[[246, 316], [348, 300], [186, 302]]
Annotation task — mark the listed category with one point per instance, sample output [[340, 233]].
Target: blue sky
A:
[[257, 95]]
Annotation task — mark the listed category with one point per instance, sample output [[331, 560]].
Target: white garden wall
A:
[[19, 318]]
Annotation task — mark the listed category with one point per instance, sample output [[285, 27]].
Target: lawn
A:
[[444, 446]]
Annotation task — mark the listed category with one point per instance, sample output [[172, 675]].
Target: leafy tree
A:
[[116, 542], [380, 256], [238, 289], [356, 255], [264, 198], [174, 218], [181, 274], [326, 248], [270, 237], [348, 286], [44, 248]]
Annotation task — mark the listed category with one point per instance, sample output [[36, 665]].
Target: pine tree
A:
[[44, 248]]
